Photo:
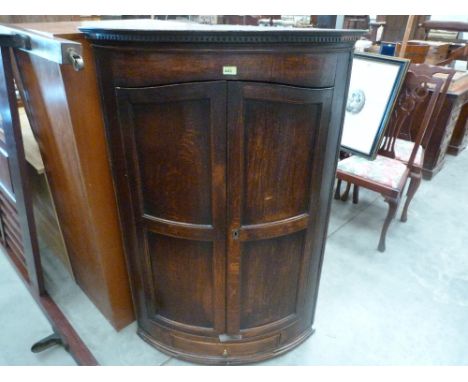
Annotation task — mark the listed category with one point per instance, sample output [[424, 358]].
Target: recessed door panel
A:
[[173, 141], [182, 279], [175, 146], [278, 149], [270, 278]]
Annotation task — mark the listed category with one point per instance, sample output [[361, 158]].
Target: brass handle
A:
[[75, 59]]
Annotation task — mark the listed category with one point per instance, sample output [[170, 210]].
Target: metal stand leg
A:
[[47, 342]]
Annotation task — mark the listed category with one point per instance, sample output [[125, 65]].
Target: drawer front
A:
[[147, 68], [240, 349]]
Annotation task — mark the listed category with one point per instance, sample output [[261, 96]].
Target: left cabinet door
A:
[[174, 140]]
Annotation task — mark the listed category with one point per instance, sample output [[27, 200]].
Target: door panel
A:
[[181, 296], [273, 136], [174, 144], [272, 169], [270, 276], [175, 138]]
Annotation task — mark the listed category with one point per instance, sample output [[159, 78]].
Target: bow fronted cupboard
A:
[[223, 143]]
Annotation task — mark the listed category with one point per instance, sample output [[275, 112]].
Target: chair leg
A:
[[345, 195], [338, 189], [392, 207], [356, 194], [413, 187]]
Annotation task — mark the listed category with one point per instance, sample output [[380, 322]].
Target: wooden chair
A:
[[387, 174], [404, 144]]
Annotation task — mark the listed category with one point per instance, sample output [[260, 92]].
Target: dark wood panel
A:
[[161, 67], [269, 276], [175, 167], [279, 140], [181, 296]]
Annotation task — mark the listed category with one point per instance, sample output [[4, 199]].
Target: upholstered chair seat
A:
[[382, 170]]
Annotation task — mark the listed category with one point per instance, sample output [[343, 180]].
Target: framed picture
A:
[[375, 83]]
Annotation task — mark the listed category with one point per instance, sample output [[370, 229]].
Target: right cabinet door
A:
[[275, 164]]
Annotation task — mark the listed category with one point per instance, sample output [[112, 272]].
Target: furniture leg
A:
[[338, 189], [48, 342], [413, 187], [392, 207], [356, 194], [345, 196]]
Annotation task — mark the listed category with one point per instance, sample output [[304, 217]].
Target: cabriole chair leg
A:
[[392, 208], [413, 187]]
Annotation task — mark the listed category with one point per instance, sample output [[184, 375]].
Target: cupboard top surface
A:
[[62, 29], [176, 31]]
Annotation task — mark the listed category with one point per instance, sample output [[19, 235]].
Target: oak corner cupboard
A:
[[223, 142]]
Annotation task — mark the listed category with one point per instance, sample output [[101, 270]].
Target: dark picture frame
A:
[[375, 83]]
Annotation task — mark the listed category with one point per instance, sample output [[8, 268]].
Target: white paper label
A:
[[229, 70]]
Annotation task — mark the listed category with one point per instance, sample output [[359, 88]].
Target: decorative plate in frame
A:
[[375, 83]]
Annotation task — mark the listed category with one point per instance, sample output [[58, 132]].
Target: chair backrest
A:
[[420, 91], [446, 74]]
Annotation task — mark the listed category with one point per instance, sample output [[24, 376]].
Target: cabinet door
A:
[[275, 161], [174, 139]]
